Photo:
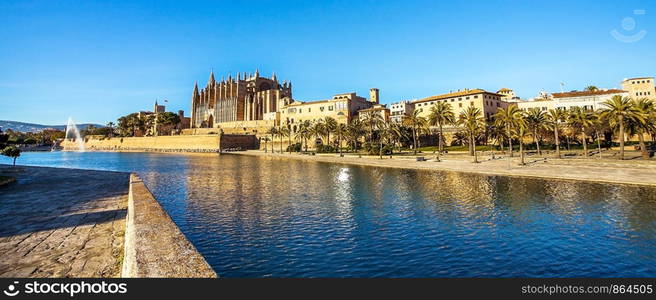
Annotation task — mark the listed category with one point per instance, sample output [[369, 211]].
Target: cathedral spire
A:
[[273, 77], [257, 72], [211, 80], [195, 89]]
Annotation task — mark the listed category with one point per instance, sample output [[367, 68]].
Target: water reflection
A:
[[258, 217]]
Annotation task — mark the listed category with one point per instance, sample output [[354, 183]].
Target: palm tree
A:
[[520, 131], [283, 132], [536, 120], [273, 132], [317, 130], [110, 125], [341, 132], [370, 119], [472, 121], [355, 131], [441, 114], [289, 137], [581, 119], [417, 123], [384, 132], [598, 125], [554, 118], [304, 133], [330, 125], [397, 133], [498, 133], [644, 123], [618, 110], [508, 118]]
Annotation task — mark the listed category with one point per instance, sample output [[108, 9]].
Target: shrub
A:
[[296, 147], [325, 148]]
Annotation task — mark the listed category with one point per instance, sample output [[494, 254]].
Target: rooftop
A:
[[465, 92], [636, 78], [586, 93]]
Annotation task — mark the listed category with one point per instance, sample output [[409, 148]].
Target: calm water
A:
[[260, 217]]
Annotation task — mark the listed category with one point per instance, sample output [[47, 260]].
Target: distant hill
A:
[[31, 127]]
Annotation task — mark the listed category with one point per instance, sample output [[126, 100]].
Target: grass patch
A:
[[458, 148]]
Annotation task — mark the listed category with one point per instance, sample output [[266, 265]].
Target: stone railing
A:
[[154, 245]]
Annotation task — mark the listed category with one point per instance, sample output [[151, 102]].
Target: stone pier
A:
[[72, 223]]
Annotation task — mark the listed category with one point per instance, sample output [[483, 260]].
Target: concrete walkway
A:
[[62, 222], [606, 170]]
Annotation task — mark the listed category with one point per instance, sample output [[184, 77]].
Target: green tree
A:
[[473, 123], [370, 119], [618, 110], [283, 132], [508, 118], [330, 125], [341, 132], [591, 88], [417, 123], [273, 132], [536, 120], [441, 114], [581, 119], [643, 121], [12, 152], [304, 133], [554, 119], [520, 131], [355, 131]]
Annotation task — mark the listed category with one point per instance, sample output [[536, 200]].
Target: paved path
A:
[[608, 170], [62, 222]]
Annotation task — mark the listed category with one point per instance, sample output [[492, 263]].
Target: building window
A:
[[459, 104]]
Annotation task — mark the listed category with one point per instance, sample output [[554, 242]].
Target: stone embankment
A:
[[154, 245], [58, 222], [174, 143]]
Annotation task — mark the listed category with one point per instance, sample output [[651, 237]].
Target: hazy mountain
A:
[[31, 127]]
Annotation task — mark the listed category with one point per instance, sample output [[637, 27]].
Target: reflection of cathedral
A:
[[238, 99]]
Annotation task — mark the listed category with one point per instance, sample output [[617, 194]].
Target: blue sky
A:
[[98, 60]]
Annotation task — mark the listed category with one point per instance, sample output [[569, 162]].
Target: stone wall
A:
[[239, 141], [174, 143], [154, 246]]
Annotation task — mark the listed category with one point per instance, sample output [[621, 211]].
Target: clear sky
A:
[[98, 60]]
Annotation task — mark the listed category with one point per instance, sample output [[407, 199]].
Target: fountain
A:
[[73, 133]]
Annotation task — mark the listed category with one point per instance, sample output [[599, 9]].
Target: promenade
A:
[[58, 222], [62, 222], [591, 169]]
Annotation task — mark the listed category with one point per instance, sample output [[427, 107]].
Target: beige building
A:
[[508, 95], [487, 102], [400, 110], [590, 100], [342, 107], [380, 109], [641, 87]]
